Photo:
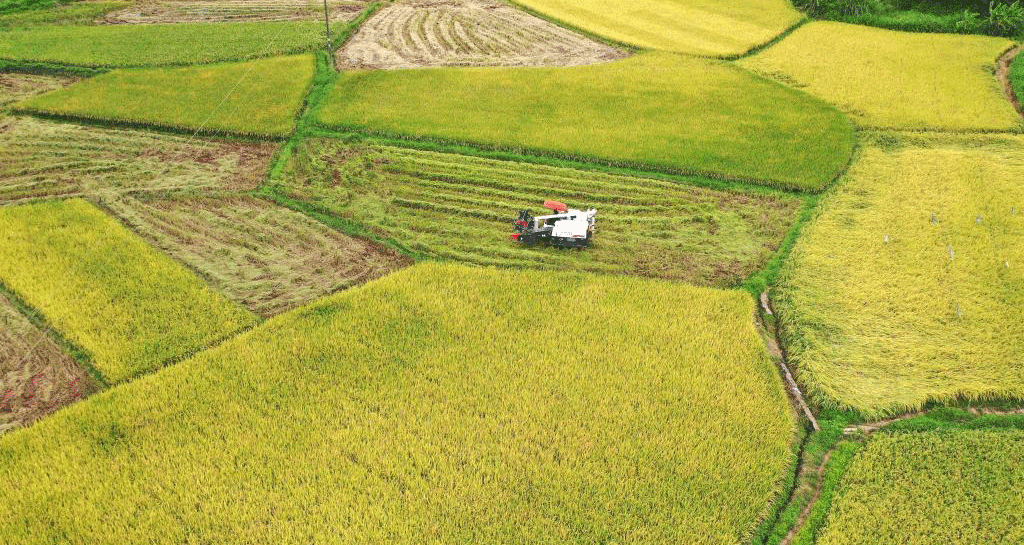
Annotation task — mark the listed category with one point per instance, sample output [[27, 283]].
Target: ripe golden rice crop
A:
[[958, 486], [909, 285], [442, 403], [702, 27], [128, 305], [899, 80]]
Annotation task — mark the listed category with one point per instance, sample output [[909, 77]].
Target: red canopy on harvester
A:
[[555, 206]]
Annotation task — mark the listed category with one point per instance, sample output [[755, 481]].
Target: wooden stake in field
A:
[[327, 23]]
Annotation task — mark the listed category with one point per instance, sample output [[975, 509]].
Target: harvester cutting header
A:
[[566, 228]]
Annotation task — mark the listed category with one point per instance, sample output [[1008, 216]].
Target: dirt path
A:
[[771, 342], [1003, 74], [431, 33], [800, 520]]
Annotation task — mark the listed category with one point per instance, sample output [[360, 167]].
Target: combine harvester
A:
[[566, 228]]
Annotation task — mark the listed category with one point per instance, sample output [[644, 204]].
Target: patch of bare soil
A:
[[430, 33], [36, 376], [1003, 73], [232, 11], [266, 257], [15, 87], [42, 158]]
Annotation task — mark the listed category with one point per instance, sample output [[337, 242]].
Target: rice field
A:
[[432, 405], [147, 12], [37, 376], [267, 258], [74, 13], [461, 208], [158, 45], [909, 287], [255, 98], [14, 87], [957, 486], [643, 111], [700, 27], [429, 33], [47, 159], [895, 80], [129, 306]]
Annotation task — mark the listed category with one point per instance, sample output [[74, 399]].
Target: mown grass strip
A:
[[431, 403], [648, 111], [936, 82], [130, 306], [253, 98], [123, 46], [908, 287]]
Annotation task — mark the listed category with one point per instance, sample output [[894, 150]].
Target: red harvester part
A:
[[556, 206]]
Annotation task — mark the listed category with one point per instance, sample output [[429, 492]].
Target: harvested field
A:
[[18, 86], [435, 405], [461, 208], [233, 11], [267, 258], [423, 33], [36, 376], [701, 27], [909, 285], [132, 308], [45, 159], [644, 111], [895, 80]]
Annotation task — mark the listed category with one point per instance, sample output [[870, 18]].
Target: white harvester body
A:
[[567, 228]]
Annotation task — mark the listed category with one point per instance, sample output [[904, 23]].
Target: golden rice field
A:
[[958, 486], [909, 285], [438, 404], [259, 98], [701, 27], [45, 159], [104, 289], [900, 80]]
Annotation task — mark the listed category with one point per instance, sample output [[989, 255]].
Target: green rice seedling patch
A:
[[45, 159], [37, 376], [701, 27], [75, 13], [951, 486], [131, 307], [900, 80], [909, 285], [259, 98], [461, 208], [157, 45], [442, 403], [267, 258], [649, 111], [15, 86]]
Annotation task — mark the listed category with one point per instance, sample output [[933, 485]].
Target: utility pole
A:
[[327, 23]]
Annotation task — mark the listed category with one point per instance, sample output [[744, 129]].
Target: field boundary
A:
[[633, 49], [1003, 75], [49, 69], [761, 47], [80, 355], [166, 128]]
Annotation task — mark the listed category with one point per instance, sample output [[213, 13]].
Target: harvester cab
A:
[[565, 228]]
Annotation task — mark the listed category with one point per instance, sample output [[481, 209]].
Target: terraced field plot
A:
[[462, 208], [701, 27], [909, 286], [45, 159], [267, 258], [233, 11], [900, 80], [431, 405], [256, 98], [422, 33], [104, 289], [971, 478], [650, 110], [159, 45], [18, 86], [73, 13], [36, 375]]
